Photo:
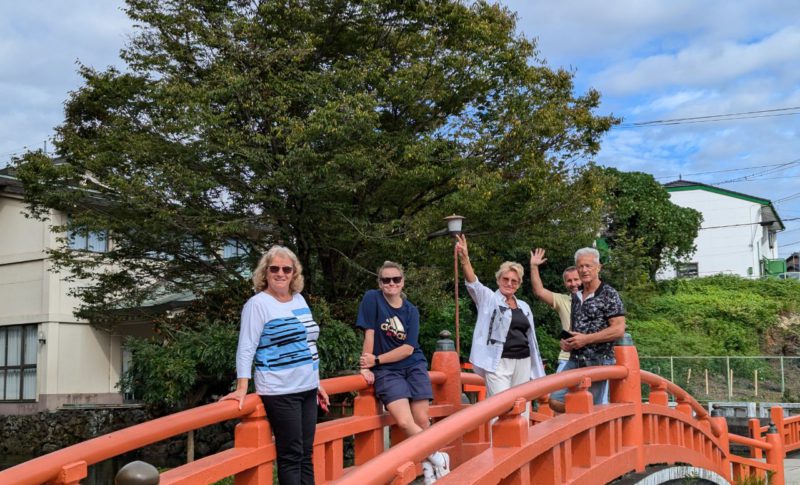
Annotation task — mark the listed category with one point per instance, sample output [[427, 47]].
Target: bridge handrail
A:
[[792, 419], [419, 446], [47, 467], [95, 450], [681, 396], [743, 467], [753, 443], [472, 379]]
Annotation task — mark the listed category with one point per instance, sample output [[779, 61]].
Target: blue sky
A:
[[650, 59]]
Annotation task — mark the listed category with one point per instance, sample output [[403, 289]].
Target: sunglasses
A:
[[392, 279], [276, 269]]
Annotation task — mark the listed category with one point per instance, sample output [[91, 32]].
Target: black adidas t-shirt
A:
[[393, 327]]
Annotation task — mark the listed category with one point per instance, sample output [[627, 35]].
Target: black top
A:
[[516, 345], [591, 316]]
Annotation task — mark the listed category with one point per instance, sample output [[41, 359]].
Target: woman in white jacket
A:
[[504, 348]]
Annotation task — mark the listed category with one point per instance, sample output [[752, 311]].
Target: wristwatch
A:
[[377, 361]]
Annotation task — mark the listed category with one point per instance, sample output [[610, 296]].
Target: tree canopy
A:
[[345, 130], [644, 229]]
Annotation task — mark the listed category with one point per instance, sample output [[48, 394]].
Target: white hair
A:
[[588, 252]]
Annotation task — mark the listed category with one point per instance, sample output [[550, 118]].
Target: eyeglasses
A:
[[510, 281], [392, 279], [286, 269]]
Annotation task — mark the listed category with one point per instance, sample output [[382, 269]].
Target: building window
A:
[[687, 270], [94, 241], [233, 249], [18, 353]]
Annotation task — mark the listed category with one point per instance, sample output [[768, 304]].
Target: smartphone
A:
[[322, 404], [565, 335]]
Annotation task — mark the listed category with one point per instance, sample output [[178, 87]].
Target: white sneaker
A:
[[441, 463], [427, 473]]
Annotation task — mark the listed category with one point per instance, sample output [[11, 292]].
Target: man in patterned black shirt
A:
[[598, 320]]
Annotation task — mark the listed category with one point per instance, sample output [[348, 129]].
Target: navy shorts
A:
[[410, 383]]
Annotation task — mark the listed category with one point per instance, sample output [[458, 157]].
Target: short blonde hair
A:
[[260, 273], [510, 266]]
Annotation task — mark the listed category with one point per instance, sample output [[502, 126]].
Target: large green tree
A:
[[643, 228], [343, 129]]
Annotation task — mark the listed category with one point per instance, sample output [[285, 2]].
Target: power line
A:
[[787, 199], [792, 196], [763, 172], [747, 224], [773, 178], [723, 171], [719, 117]]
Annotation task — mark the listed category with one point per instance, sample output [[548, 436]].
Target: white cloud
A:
[[671, 102], [40, 43], [703, 64]]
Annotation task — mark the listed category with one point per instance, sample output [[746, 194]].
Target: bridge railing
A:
[[587, 444], [252, 458], [456, 431], [743, 468], [788, 428], [490, 441]]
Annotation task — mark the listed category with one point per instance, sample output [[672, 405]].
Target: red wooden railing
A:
[[488, 442]]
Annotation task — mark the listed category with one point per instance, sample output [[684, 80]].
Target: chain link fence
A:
[[734, 378]]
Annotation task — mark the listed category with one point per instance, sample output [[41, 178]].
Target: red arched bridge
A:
[[587, 444]]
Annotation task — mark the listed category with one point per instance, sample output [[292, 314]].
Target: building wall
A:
[[736, 248], [76, 363]]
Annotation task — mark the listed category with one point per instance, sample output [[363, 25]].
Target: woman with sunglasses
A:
[[279, 332], [504, 347], [393, 361]]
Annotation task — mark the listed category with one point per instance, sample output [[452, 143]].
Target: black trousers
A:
[[293, 418]]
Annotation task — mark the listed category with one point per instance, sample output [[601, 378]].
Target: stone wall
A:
[[41, 433]]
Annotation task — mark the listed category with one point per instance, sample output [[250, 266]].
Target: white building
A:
[[48, 357], [738, 235]]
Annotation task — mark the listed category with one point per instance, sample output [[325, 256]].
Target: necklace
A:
[[281, 298]]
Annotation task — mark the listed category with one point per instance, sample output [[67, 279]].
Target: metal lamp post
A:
[[454, 224]]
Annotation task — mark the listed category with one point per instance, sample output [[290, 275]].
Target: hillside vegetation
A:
[[720, 315]]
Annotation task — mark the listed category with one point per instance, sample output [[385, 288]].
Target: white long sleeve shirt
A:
[[281, 340]]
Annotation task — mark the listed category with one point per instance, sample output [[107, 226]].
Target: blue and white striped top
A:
[[281, 338]]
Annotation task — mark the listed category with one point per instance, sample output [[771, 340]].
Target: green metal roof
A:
[[684, 185]]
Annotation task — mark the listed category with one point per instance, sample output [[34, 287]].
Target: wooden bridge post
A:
[[579, 399], [776, 418], [629, 390], [511, 431], [723, 463], [776, 453], [445, 359], [369, 444], [254, 432], [754, 425]]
